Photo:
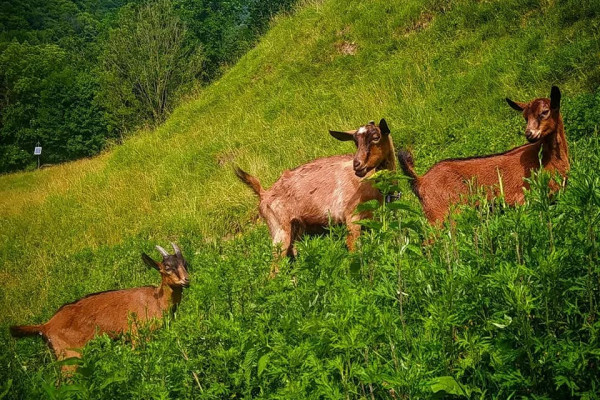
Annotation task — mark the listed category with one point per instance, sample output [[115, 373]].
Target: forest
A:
[[79, 76]]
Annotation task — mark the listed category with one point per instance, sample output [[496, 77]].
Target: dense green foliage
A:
[[504, 304], [76, 74], [45, 93], [48, 86], [147, 60]]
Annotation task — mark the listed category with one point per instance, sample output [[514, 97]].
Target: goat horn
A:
[[177, 251], [162, 251]]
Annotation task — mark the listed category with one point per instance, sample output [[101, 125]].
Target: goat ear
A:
[[383, 127], [150, 262], [515, 105], [555, 98], [343, 136]]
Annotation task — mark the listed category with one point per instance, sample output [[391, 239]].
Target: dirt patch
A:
[[346, 48], [420, 24]]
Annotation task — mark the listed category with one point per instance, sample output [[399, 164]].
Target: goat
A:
[[75, 324], [309, 197], [447, 180]]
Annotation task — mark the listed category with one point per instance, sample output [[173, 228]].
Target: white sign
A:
[[37, 151]]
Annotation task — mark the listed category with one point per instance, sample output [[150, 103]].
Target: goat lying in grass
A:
[[75, 324], [309, 197], [448, 180]]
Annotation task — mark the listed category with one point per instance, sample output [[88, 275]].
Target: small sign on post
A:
[[38, 152]]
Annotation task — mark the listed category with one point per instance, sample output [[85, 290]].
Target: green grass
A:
[[438, 72]]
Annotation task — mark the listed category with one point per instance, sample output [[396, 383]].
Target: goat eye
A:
[[376, 138]]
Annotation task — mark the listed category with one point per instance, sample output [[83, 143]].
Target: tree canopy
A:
[[76, 74]]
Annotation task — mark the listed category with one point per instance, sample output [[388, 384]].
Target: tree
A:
[[146, 63], [44, 98]]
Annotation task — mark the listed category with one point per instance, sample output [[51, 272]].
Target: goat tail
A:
[[20, 331], [408, 167], [249, 180]]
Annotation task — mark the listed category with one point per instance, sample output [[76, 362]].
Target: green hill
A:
[[491, 305]]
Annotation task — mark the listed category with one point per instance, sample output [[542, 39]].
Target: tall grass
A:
[[490, 308]]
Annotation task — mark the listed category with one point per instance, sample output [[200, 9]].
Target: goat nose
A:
[[356, 164]]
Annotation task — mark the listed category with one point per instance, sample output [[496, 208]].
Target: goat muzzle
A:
[[361, 172], [532, 136]]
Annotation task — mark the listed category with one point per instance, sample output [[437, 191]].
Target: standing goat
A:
[[309, 197], [75, 324], [447, 180]]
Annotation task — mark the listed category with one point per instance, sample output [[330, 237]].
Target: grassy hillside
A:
[[438, 72]]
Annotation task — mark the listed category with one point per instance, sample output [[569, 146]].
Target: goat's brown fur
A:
[[325, 190], [111, 312], [445, 182]]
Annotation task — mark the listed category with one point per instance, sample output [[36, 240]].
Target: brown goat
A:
[[448, 180], [75, 324], [325, 190]]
